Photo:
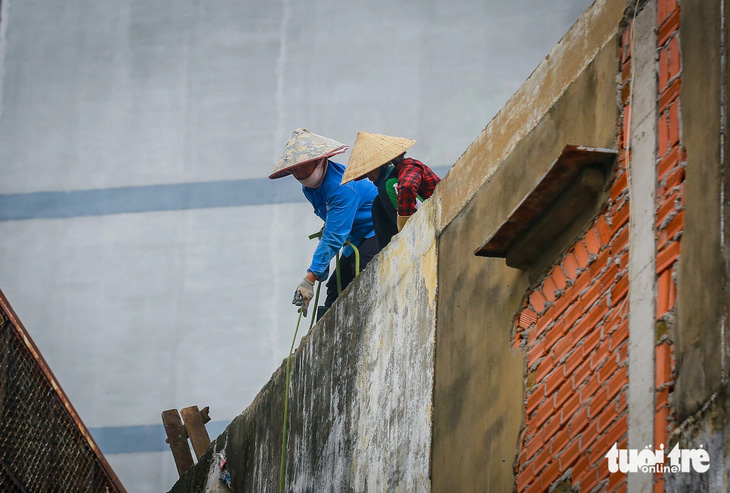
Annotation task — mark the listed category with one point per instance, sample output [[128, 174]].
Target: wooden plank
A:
[[195, 427], [178, 440]]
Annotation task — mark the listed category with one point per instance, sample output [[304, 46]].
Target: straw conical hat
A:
[[371, 151], [303, 147]]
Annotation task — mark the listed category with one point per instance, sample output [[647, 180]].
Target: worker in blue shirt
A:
[[345, 210]]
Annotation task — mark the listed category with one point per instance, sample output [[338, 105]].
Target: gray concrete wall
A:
[[361, 388]]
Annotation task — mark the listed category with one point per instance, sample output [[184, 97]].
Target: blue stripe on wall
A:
[[142, 438], [150, 198]]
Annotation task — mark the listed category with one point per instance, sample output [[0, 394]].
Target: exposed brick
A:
[[623, 353], [618, 220], [525, 477], [620, 185], [675, 64], [590, 343], [620, 242], [564, 392], [667, 207], [588, 390], [622, 401], [551, 428], [527, 318], [675, 177], [570, 455], [541, 415], [548, 289], [542, 460], [589, 323], [536, 352], [570, 407], [599, 264], [664, 9], [588, 436], [620, 289], [550, 474], [581, 254], [555, 334], [659, 486], [602, 228], [535, 487], [666, 257], [617, 382], [591, 296], [578, 422], [618, 429], [663, 137], [545, 367], [663, 364], [614, 480], [573, 361], [588, 480], [675, 226], [606, 418], [559, 441], [668, 27], [572, 315], [669, 95], [558, 277], [581, 373], [619, 336], [534, 445], [661, 426], [663, 71], [608, 369], [537, 301], [662, 302], [598, 402], [670, 161], [535, 398], [673, 124], [554, 380], [601, 354], [580, 467], [570, 266], [662, 398], [562, 348], [593, 242]]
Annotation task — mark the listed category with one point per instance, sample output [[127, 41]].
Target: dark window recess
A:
[[568, 189]]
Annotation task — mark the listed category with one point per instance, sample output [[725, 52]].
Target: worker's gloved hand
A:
[[303, 295], [402, 221]]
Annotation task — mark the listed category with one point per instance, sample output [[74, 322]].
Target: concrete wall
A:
[[361, 388], [480, 378]]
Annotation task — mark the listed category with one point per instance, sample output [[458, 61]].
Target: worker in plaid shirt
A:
[[403, 183]]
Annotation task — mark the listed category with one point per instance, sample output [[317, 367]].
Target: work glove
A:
[[303, 295], [402, 221]]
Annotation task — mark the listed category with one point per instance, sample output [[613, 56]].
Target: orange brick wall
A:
[[575, 328], [574, 324], [669, 211]]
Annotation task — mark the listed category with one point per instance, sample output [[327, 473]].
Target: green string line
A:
[[282, 475]]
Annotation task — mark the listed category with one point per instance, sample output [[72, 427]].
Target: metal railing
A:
[[44, 446]]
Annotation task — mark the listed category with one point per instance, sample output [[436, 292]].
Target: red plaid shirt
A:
[[414, 179]]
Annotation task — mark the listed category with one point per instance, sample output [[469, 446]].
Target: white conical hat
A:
[[371, 151], [303, 147]]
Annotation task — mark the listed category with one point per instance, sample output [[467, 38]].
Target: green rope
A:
[[286, 409], [282, 475]]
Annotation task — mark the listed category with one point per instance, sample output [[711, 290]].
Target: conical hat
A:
[[371, 151], [303, 147]]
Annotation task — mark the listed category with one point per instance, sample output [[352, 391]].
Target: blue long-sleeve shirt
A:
[[346, 211]]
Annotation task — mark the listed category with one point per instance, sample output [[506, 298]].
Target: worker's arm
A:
[[409, 179], [341, 210]]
